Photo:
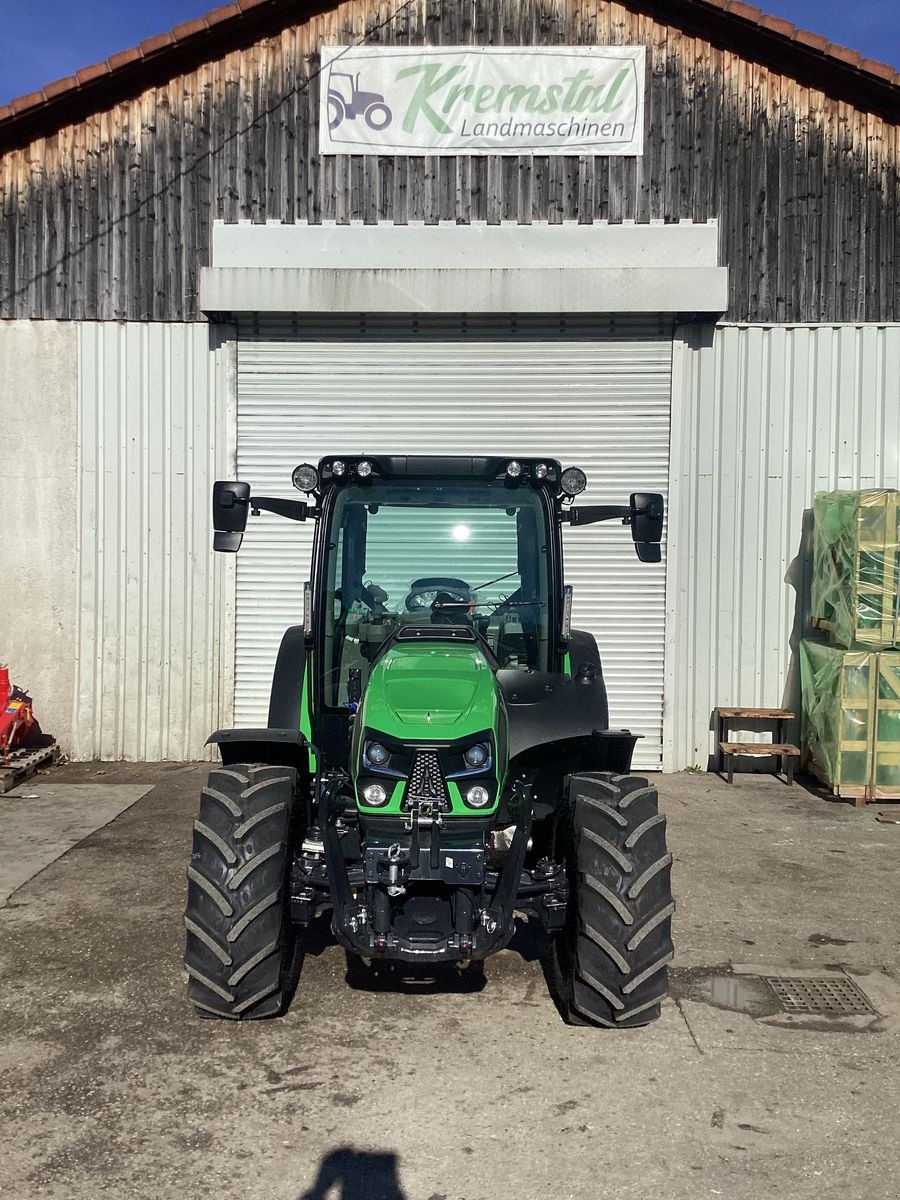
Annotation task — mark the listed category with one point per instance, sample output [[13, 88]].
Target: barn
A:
[[659, 241]]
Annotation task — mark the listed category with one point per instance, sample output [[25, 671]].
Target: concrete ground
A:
[[455, 1088]]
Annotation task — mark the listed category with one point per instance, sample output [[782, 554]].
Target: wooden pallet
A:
[[23, 764], [856, 732], [860, 794], [869, 584]]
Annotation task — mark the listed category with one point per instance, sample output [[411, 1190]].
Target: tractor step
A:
[[22, 764]]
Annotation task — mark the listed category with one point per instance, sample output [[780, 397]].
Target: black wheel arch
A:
[[274, 747], [286, 698]]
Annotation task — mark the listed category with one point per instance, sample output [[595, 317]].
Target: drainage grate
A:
[[826, 996]]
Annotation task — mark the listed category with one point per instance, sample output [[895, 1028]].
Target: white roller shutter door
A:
[[593, 394]]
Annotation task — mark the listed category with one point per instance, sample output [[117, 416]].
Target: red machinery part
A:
[[16, 715]]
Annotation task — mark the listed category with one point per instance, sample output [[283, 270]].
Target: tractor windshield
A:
[[458, 553]]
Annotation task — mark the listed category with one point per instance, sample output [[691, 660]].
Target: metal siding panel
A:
[[763, 418], [154, 637], [307, 389]]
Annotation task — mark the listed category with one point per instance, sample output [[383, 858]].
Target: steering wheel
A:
[[423, 592]]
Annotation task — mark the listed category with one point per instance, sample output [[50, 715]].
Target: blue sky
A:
[[45, 39]]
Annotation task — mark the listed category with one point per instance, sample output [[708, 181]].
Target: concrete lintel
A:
[[464, 247], [521, 289]]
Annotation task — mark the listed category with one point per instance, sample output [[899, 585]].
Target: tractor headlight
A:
[[375, 795], [364, 469], [541, 471], [338, 468], [573, 481], [305, 478], [478, 797], [476, 756], [514, 469], [377, 754]]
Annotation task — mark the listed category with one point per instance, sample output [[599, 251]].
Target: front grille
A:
[[426, 782]]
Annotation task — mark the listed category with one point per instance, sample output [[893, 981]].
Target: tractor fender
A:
[[286, 699], [583, 649], [281, 743], [274, 747], [544, 709]]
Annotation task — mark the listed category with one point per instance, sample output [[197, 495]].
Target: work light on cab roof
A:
[[346, 469], [305, 478]]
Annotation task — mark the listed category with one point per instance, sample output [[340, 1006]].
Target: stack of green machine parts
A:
[[851, 679]]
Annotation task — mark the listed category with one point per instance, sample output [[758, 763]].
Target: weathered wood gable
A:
[[111, 218]]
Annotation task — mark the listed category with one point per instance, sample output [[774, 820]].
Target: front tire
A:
[[611, 959], [239, 938]]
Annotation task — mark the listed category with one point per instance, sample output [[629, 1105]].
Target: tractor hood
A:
[[426, 690]]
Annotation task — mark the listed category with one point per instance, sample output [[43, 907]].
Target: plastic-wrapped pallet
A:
[[851, 719], [856, 567]]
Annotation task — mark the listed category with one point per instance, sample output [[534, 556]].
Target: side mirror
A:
[[647, 511], [230, 509]]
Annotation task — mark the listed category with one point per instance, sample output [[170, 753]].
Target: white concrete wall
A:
[[762, 419], [38, 406]]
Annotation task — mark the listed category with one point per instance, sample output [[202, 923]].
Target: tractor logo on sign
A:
[[346, 102]]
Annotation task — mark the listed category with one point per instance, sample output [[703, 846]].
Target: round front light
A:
[[475, 756], [573, 481], [364, 469], [338, 468], [377, 754], [375, 795], [478, 797], [514, 469], [305, 478], [540, 471]]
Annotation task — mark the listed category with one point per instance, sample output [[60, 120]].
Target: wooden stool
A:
[[781, 750], [786, 753]]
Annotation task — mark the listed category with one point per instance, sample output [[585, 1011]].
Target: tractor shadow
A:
[[351, 1174]]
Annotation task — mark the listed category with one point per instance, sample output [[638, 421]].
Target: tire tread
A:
[[239, 941], [611, 960]]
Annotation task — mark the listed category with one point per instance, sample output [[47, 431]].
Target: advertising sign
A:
[[482, 100]]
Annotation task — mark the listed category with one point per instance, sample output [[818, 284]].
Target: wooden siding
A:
[[111, 218]]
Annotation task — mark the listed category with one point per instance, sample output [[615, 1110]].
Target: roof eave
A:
[[808, 58], [153, 63]]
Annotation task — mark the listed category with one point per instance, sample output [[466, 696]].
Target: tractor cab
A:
[[402, 554]]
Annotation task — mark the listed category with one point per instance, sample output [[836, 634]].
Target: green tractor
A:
[[438, 757]]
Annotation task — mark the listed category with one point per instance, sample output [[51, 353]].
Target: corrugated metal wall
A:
[[762, 419], [154, 642]]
